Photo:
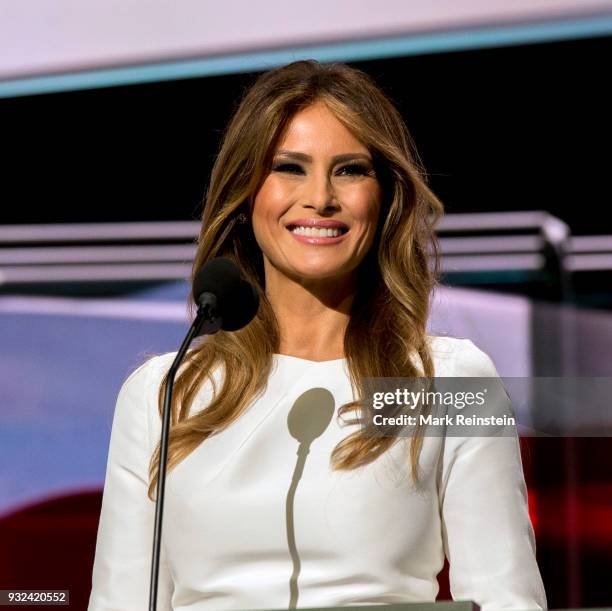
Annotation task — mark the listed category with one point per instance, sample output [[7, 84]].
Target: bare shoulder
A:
[[455, 356]]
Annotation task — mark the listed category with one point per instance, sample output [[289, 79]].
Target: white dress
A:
[[358, 537]]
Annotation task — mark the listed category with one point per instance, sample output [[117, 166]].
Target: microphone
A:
[[225, 301], [218, 289]]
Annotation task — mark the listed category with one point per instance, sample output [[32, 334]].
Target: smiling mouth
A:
[[312, 232]]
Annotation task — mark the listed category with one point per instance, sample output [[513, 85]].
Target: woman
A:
[[319, 197]]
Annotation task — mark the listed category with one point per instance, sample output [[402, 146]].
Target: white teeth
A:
[[316, 232]]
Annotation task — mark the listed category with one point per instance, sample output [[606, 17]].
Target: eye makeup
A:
[[353, 169]]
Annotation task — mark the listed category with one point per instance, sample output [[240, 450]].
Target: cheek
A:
[[376, 203], [268, 207], [367, 205], [272, 194]]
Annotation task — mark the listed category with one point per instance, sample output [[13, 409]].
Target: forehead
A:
[[318, 129]]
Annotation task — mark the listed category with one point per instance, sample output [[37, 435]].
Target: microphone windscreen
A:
[[218, 276], [237, 299], [241, 307]]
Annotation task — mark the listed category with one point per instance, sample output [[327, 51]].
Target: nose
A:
[[320, 193]]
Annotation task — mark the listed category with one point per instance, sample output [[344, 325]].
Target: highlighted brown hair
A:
[[386, 331]]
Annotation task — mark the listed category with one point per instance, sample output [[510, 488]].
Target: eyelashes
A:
[[354, 169]]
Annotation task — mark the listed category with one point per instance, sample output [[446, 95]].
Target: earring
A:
[[242, 218]]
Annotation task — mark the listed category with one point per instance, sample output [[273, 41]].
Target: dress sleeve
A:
[[487, 533], [122, 564]]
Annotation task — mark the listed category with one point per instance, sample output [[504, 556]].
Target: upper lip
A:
[[332, 224]]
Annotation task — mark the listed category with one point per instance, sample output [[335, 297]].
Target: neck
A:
[[312, 315]]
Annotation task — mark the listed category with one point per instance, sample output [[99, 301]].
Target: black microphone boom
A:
[[225, 301]]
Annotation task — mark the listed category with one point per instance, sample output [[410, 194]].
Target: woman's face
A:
[[320, 171]]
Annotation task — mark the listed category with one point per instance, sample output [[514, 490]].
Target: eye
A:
[[355, 169], [351, 169], [291, 168]]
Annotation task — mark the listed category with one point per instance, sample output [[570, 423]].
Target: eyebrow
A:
[[305, 157]]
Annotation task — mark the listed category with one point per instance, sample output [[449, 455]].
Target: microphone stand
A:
[[206, 322]]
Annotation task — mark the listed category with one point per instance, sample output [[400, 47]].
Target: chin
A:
[[318, 273]]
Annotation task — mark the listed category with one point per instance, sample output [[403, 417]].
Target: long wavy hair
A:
[[387, 324]]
